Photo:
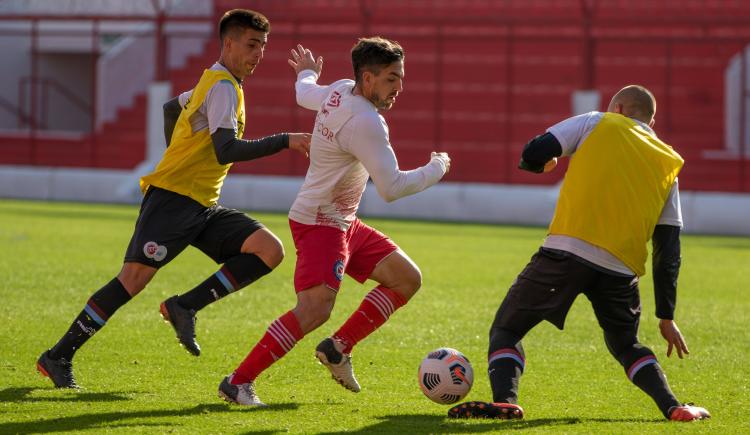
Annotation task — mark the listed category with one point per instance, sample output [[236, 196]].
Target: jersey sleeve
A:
[[371, 146], [671, 214], [310, 94], [221, 106], [184, 97], [572, 131]]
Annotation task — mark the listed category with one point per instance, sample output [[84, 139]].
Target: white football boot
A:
[[329, 353], [243, 394]]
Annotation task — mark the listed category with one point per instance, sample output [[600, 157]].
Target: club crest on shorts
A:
[[154, 251], [338, 269]]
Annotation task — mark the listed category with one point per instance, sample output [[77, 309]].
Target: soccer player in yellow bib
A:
[[203, 130], [620, 191]]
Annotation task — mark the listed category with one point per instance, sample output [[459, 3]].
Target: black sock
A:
[[99, 308], [238, 272], [652, 380], [506, 363], [641, 368]]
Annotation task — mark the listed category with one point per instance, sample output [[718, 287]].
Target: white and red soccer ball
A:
[[445, 376]]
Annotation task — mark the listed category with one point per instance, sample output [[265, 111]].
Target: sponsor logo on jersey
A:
[[334, 100], [338, 270], [154, 251]]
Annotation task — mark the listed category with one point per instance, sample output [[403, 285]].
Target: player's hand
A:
[[300, 142], [302, 59], [549, 166], [675, 340], [444, 157]]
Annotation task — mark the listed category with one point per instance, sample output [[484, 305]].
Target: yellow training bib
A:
[[189, 166], [615, 188]]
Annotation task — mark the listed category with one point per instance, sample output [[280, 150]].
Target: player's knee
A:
[[411, 280], [275, 254], [135, 276], [620, 344], [272, 252], [503, 338], [314, 307]]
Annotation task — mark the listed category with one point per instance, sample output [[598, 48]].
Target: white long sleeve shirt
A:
[[349, 144]]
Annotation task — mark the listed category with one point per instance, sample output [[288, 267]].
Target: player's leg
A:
[[544, 290], [372, 255], [147, 251], [56, 363], [617, 305], [247, 250], [316, 283], [313, 308]]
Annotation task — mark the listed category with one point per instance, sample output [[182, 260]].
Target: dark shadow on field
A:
[[427, 423], [21, 394], [119, 419]]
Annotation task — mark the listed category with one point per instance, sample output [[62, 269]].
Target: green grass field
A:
[[137, 379]]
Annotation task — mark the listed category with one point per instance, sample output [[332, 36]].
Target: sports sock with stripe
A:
[[372, 313], [238, 272], [506, 362], [282, 335], [646, 373], [99, 308]]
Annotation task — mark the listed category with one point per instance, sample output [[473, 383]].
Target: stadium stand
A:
[[482, 77]]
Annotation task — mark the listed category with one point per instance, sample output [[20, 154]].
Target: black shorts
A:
[[168, 222], [548, 285]]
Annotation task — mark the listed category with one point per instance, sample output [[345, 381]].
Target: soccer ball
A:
[[445, 376]]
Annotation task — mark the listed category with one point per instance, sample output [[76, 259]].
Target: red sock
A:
[[280, 338], [374, 310]]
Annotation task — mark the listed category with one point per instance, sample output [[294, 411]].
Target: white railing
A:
[[123, 72], [737, 104]]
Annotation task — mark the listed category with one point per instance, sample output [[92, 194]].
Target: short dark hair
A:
[[374, 53], [242, 19]]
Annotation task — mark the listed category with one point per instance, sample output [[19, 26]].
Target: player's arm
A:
[[221, 110], [230, 149], [666, 268], [562, 139], [310, 94], [172, 111], [370, 145], [539, 152], [666, 260]]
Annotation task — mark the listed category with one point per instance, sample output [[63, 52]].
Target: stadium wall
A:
[[462, 202]]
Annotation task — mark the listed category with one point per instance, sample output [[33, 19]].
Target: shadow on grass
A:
[[426, 423], [120, 419], [21, 394]]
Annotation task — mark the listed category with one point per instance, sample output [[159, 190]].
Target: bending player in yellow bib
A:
[[620, 191], [203, 130]]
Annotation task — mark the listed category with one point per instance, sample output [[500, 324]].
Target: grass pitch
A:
[[137, 379]]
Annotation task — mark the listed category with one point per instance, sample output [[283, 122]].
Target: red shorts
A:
[[325, 254]]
